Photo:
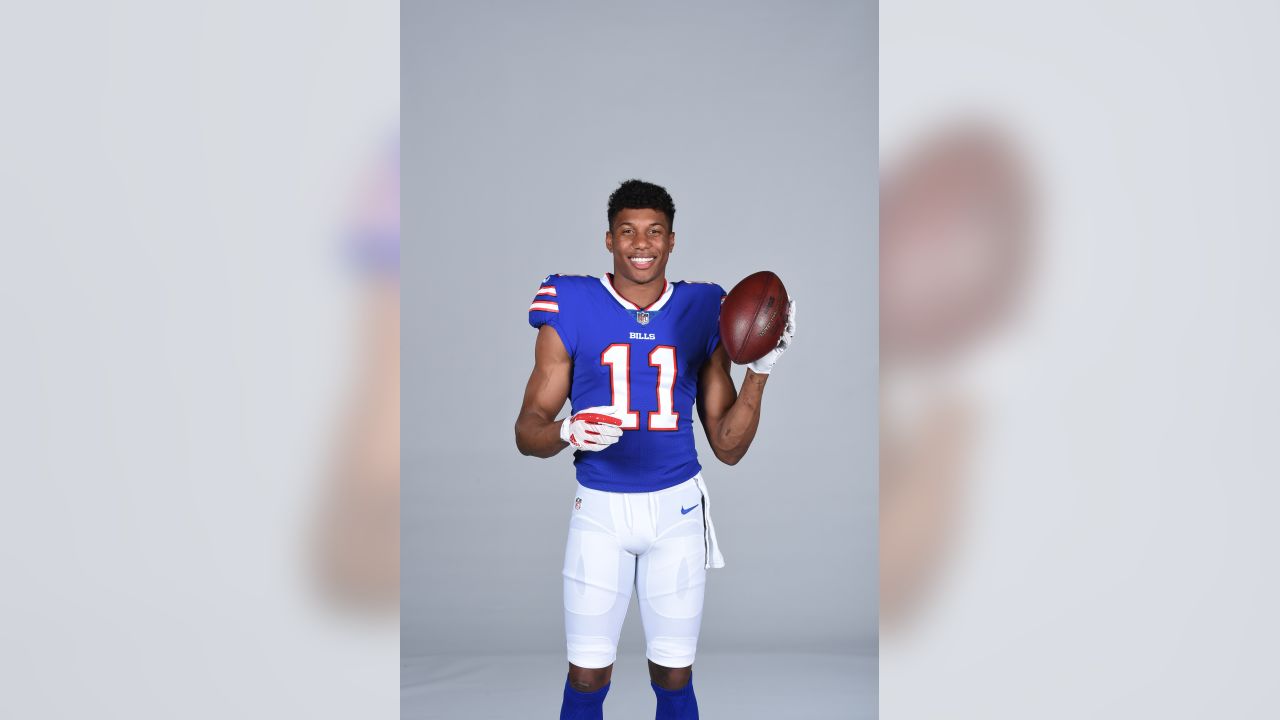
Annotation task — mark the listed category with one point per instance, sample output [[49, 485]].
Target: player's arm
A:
[[729, 417], [537, 431]]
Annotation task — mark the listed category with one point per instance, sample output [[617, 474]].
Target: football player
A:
[[633, 352]]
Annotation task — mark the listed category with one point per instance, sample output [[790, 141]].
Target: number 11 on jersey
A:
[[663, 357]]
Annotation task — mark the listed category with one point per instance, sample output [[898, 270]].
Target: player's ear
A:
[[608, 240], [671, 244]]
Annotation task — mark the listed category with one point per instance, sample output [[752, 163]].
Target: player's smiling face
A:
[[640, 240]]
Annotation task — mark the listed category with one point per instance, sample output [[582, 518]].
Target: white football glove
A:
[[764, 365], [592, 430]]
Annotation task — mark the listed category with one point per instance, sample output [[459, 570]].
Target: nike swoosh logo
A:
[[686, 511]]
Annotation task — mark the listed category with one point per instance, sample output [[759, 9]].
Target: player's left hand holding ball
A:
[[764, 365], [592, 430]]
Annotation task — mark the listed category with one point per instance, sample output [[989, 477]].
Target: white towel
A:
[[714, 558]]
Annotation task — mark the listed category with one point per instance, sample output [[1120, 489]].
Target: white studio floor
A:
[[765, 686]]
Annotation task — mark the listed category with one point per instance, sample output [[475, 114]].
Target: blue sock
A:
[[676, 704], [583, 706]]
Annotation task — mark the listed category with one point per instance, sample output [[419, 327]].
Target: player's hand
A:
[[593, 429], [764, 365]]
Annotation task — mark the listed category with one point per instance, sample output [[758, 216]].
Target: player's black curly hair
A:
[[641, 195]]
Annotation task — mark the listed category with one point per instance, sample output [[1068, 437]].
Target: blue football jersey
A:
[[644, 361]]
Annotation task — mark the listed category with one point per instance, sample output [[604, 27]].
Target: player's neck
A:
[[642, 295]]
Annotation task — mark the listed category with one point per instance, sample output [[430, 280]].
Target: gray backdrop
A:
[[519, 120]]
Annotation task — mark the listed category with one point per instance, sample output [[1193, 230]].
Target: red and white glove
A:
[[764, 365], [592, 430]]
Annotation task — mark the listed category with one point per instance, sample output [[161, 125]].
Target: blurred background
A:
[[191, 416], [1077, 384]]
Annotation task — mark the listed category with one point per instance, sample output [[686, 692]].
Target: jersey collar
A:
[[667, 289]]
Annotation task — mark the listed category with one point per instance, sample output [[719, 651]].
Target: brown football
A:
[[752, 317]]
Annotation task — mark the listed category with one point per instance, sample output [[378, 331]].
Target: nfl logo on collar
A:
[[642, 317]]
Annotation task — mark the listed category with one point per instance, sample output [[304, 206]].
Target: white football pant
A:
[[660, 542]]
